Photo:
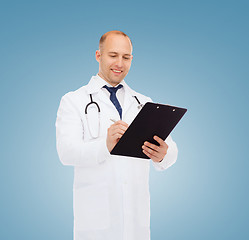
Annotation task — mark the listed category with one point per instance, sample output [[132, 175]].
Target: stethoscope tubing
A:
[[97, 105], [92, 102]]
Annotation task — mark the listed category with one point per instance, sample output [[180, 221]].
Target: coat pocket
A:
[[91, 208]]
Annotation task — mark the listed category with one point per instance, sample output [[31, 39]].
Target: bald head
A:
[[108, 34]]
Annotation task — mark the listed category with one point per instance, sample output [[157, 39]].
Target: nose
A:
[[119, 62]]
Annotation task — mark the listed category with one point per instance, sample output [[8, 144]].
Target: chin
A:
[[117, 80]]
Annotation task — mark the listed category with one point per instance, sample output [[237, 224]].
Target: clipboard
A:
[[153, 119]]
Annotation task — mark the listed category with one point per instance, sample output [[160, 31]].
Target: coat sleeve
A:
[[170, 157], [71, 147]]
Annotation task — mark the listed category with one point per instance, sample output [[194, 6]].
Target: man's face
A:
[[114, 58]]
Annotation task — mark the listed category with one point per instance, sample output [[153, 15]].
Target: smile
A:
[[116, 71]]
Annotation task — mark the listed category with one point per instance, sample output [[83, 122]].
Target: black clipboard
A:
[[153, 119]]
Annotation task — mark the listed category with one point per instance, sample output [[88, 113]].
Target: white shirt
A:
[[120, 93]]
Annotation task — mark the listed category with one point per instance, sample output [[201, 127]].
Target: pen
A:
[[113, 120]]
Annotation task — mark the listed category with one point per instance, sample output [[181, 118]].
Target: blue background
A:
[[192, 54]]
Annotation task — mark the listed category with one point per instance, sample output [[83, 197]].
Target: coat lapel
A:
[[104, 98], [128, 98], [94, 87]]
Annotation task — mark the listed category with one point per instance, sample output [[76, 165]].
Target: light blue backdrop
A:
[[192, 54]]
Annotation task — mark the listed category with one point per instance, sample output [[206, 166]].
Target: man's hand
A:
[[154, 152], [114, 133]]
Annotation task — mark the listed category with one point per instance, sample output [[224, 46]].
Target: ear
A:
[[97, 55]]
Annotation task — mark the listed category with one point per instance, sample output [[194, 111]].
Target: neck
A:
[[113, 84]]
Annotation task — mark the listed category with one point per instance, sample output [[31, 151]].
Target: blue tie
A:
[[113, 97]]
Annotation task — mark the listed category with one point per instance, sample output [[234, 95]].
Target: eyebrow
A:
[[127, 54]]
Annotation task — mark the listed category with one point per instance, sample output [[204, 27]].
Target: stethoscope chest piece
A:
[[140, 106]]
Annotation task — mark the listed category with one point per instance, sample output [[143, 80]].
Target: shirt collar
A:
[[96, 83]]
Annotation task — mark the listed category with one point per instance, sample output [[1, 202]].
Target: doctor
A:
[[111, 193]]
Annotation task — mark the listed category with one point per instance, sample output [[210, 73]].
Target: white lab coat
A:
[[111, 193]]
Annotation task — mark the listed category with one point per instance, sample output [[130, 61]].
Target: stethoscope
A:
[[140, 105]]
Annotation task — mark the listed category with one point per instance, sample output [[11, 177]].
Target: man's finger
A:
[[119, 127], [150, 153], [121, 123], [149, 150], [152, 146], [119, 131], [117, 136], [159, 140]]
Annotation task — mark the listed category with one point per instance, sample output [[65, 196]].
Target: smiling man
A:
[[111, 193]]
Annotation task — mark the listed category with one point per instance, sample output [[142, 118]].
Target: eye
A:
[[126, 58], [113, 56]]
